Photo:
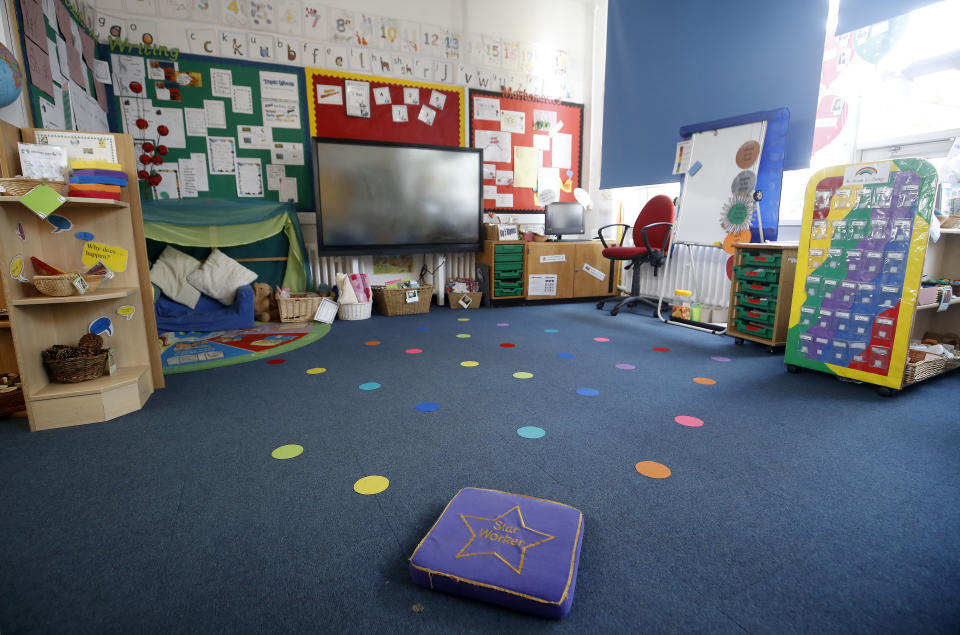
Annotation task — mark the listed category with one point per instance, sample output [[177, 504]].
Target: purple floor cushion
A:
[[507, 549]]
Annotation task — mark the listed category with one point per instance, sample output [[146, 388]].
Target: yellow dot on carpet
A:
[[653, 469], [287, 451], [522, 375], [316, 371], [469, 364], [704, 381], [371, 484], [463, 319], [463, 336]]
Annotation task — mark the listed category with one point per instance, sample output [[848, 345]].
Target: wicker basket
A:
[[299, 307], [355, 311], [77, 369], [923, 370], [394, 301], [60, 285], [18, 186]]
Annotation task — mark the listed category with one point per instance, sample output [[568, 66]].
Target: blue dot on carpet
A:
[[427, 406], [588, 392], [370, 385], [565, 355], [530, 432], [422, 328], [549, 330]]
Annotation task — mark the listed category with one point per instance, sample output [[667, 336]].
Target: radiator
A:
[[710, 286], [437, 268]]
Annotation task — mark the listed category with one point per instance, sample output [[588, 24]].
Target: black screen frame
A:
[[394, 248], [549, 231]]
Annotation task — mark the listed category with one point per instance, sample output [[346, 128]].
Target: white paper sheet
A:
[[200, 160], [280, 100], [222, 152], [221, 82], [411, 96], [126, 68], [169, 186], [504, 200], [243, 100], [513, 121], [188, 178], [329, 94], [274, 174], [381, 96], [437, 99], [490, 192], [542, 284], [427, 115], [216, 113], [51, 113], [254, 137], [288, 190], [400, 114], [85, 111], [62, 59], [504, 177], [172, 118], [489, 171], [196, 120], [286, 153], [486, 108], [496, 145], [249, 177], [541, 142], [560, 156]]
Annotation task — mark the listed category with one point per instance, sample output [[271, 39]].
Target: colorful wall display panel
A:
[[352, 106], [532, 149], [862, 246]]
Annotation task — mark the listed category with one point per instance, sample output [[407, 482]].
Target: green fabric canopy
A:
[[211, 222]]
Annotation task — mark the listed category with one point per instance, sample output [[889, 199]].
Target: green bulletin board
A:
[[186, 85]]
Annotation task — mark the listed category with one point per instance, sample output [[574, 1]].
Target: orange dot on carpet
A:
[[652, 469], [371, 343], [705, 381]]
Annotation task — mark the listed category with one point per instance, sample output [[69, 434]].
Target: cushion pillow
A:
[[220, 276], [170, 273], [508, 549]]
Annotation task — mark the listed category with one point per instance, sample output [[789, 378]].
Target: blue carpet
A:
[[803, 504]]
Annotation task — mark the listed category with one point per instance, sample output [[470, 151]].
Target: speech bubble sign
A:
[[102, 325], [127, 311], [60, 223], [16, 268], [115, 258]]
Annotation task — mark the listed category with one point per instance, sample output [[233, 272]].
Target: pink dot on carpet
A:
[[626, 366], [503, 324], [413, 351], [717, 358], [601, 339], [690, 422]]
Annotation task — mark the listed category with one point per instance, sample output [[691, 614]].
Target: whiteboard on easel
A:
[[717, 196]]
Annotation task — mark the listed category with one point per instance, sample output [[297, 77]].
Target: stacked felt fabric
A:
[[96, 179]]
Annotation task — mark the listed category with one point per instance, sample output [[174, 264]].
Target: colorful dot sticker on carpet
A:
[[652, 469], [507, 345], [550, 331], [463, 336], [413, 351], [370, 385], [469, 364], [717, 358], [276, 361], [661, 349], [287, 451], [503, 324], [531, 432], [565, 355], [463, 319], [601, 339], [690, 422], [626, 367], [422, 328], [427, 406], [371, 343], [704, 381], [371, 485], [522, 374], [316, 371], [588, 392]]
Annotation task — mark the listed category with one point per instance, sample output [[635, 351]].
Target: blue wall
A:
[[672, 64]]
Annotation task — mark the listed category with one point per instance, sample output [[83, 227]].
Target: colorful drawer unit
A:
[[760, 293], [507, 270]]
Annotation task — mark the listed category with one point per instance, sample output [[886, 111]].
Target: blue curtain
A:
[[855, 14], [672, 64]]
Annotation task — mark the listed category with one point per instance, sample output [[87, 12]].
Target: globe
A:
[[11, 77]]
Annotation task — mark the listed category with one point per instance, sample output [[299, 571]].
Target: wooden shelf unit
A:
[[38, 322]]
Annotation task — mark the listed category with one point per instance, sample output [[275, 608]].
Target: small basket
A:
[[394, 301], [923, 370], [355, 311], [19, 186], [299, 307], [453, 299], [77, 369], [60, 285]]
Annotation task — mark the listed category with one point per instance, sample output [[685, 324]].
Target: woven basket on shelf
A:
[[394, 301], [18, 186], [913, 373], [355, 311], [77, 369], [299, 307], [60, 285]]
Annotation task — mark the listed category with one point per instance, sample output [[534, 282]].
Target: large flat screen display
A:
[[397, 198]]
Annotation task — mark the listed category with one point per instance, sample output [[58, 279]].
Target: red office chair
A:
[[651, 239]]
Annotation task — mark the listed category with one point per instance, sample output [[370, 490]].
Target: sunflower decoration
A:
[[737, 214]]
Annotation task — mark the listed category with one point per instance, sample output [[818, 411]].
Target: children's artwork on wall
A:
[[401, 110], [532, 147]]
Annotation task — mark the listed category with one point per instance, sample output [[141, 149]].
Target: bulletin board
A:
[[862, 245], [180, 92], [557, 127], [351, 106], [60, 58]]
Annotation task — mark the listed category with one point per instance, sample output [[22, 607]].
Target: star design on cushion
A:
[[507, 537]]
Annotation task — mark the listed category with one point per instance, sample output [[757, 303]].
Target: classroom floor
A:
[[794, 503]]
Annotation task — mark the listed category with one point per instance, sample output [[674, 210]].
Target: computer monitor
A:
[[563, 218]]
